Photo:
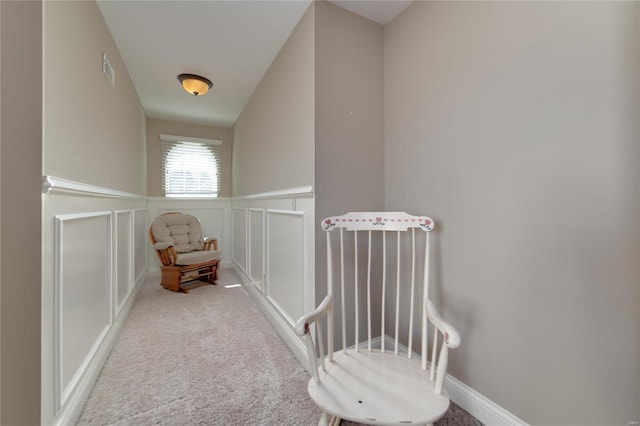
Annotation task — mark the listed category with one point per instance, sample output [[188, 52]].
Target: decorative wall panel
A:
[[94, 243], [82, 294], [286, 261], [256, 243], [123, 272], [240, 238], [140, 243]]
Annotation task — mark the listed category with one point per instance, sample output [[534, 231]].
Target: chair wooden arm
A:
[[166, 253], [210, 243], [162, 245]]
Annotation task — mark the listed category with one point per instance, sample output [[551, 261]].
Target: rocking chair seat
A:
[[377, 388], [195, 257]]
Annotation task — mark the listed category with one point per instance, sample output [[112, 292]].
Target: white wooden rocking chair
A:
[[368, 382]]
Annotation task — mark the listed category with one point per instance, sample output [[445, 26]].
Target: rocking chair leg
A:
[[327, 419], [213, 276], [171, 278]]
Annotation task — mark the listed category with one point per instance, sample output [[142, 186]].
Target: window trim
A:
[[173, 138], [176, 140]]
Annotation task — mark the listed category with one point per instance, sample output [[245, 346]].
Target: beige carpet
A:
[[205, 358]]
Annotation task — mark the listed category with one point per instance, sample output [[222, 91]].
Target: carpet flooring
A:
[[205, 358]]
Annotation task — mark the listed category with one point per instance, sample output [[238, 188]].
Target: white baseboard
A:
[[72, 409], [480, 407]]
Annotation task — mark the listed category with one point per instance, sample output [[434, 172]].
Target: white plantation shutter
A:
[[190, 166]]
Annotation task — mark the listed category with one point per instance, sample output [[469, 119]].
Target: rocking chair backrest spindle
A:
[[387, 224]]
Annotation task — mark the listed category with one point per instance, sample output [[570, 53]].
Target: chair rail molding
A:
[[302, 191], [52, 185], [70, 365]]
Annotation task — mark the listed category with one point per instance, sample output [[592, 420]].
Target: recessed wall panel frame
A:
[[256, 250], [286, 262], [239, 237], [83, 298]]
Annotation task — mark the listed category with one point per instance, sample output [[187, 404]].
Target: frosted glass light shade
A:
[[195, 84]]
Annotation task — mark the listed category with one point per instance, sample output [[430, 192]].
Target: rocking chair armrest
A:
[[166, 253], [210, 242], [451, 335], [302, 326], [163, 245]]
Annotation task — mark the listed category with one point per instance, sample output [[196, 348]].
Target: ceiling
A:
[[230, 42]]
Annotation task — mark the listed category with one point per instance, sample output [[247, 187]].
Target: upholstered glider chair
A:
[[186, 255]]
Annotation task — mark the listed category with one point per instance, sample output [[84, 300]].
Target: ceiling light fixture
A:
[[195, 84]]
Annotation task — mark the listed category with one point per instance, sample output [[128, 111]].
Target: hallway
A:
[[207, 357]]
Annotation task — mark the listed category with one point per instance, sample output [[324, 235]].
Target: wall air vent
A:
[[108, 70]]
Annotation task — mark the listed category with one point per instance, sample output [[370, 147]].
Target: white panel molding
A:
[[302, 191], [62, 393], [54, 185], [119, 301], [238, 223], [297, 202], [269, 258], [144, 243], [69, 398], [257, 281], [71, 411]]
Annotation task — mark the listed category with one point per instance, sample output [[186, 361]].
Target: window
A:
[[190, 166]]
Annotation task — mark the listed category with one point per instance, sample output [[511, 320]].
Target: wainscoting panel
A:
[[82, 294], [274, 231], [286, 262], [256, 244], [94, 243], [140, 244], [123, 272], [239, 219]]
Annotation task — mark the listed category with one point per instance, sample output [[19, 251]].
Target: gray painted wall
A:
[[85, 117], [274, 135], [515, 126], [349, 148], [20, 211]]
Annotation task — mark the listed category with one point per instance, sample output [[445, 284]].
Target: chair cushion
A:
[[181, 229], [195, 257]]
